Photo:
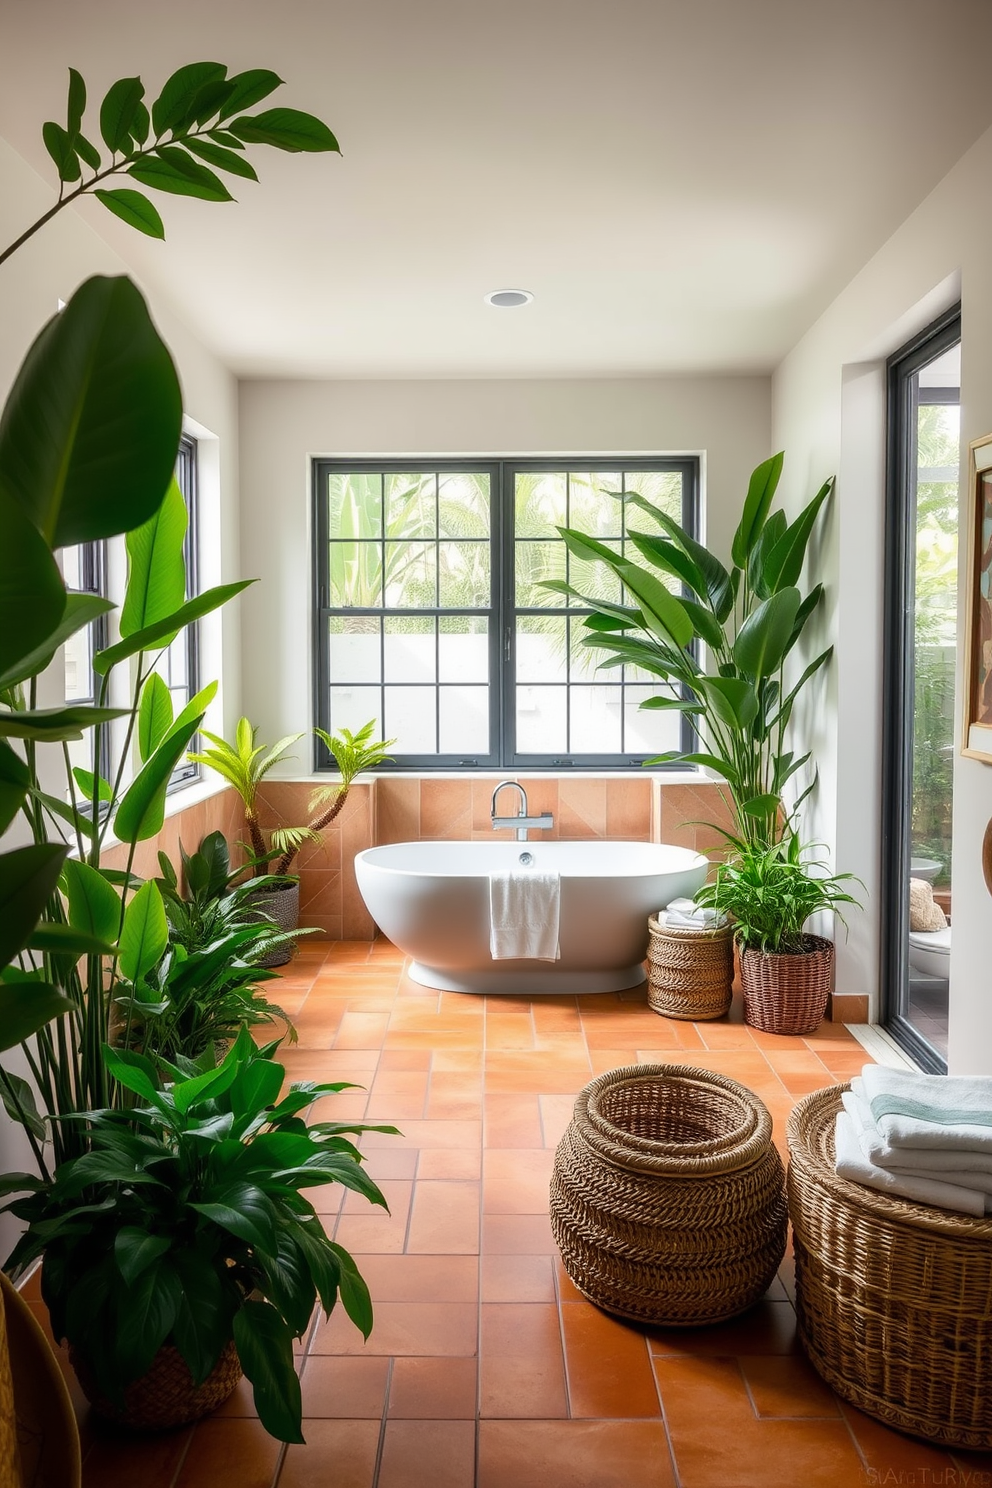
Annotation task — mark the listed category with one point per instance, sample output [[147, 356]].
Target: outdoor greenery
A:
[[186, 1221], [771, 890], [244, 765], [748, 618]]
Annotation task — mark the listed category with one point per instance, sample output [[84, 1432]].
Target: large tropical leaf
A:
[[27, 1006], [15, 779], [79, 611], [142, 810], [763, 639], [760, 494], [145, 933], [265, 1348], [89, 434], [784, 563], [153, 637], [94, 904], [28, 879], [156, 581], [32, 594], [50, 725]]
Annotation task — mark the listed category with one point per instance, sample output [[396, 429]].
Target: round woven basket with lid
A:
[[893, 1298], [668, 1197], [690, 972]]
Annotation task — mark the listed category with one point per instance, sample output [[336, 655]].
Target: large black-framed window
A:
[[918, 679], [430, 616], [179, 664]]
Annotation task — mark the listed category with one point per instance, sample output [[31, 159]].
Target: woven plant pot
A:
[[690, 972], [668, 1197], [787, 993], [894, 1299], [282, 906], [166, 1396]]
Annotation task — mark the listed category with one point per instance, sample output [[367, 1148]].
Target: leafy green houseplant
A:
[[770, 892], [719, 638], [187, 1225], [245, 764]]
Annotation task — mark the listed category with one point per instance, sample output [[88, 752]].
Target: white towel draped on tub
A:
[[523, 911]]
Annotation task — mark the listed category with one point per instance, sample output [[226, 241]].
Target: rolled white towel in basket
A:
[[685, 914]]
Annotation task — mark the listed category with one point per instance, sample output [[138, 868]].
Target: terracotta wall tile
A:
[[582, 807], [397, 809], [446, 808], [628, 807], [690, 814]]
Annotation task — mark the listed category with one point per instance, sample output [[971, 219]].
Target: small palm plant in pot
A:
[[771, 891], [245, 764]]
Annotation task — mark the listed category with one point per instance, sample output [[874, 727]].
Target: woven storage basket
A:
[[691, 972], [894, 1299], [667, 1196], [166, 1396], [784, 993]]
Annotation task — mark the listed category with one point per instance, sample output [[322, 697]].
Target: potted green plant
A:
[[770, 892], [181, 1249], [245, 764]]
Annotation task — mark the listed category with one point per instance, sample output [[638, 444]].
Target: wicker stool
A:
[[667, 1196], [691, 972], [894, 1299]]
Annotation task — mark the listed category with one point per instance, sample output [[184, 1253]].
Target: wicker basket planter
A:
[[667, 1196], [166, 1396], [787, 993], [282, 906], [690, 972], [894, 1299]]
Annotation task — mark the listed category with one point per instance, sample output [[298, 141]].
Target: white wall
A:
[[828, 413], [283, 424]]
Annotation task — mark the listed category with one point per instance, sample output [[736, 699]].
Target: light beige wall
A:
[[828, 412], [283, 424]]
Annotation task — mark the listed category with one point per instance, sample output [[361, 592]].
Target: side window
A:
[[179, 665]]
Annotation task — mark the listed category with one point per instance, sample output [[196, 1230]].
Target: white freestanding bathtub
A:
[[432, 900]]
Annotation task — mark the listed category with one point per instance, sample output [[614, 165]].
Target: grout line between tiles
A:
[[380, 1444]]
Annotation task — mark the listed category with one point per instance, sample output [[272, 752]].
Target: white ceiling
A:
[[683, 184]]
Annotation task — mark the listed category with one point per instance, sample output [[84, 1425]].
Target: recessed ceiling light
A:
[[506, 299]]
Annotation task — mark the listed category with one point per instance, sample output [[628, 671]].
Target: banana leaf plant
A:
[[721, 640]]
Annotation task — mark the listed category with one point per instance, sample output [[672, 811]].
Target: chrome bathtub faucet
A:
[[523, 820]]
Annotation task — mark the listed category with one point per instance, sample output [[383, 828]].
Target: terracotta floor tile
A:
[[428, 1134], [449, 1163], [889, 1452], [229, 1450], [373, 1232], [556, 1113], [509, 1031], [458, 1061], [517, 1278], [512, 1121], [420, 1328], [769, 1328], [405, 1060], [445, 1218], [576, 1454], [354, 1389], [517, 1234], [786, 1387], [116, 1460], [398, 1161], [521, 1372], [428, 1454], [433, 1389], [608, 1365], [420, 1278], [338, 1452], [361, 1031], [394, 1108]]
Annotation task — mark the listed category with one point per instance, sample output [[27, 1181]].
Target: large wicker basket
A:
[[894, 1299], [787, 993], [668, 1197], [166, 1396], [690, 972]]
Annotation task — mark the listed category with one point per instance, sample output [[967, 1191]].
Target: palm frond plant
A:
[[244, 764], [719, 638], [186, 1226]]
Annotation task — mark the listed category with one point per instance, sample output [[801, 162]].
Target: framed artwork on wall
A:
[[976, 739]]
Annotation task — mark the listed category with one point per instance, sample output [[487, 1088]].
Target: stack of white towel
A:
[[922, 1137], [686, 914]]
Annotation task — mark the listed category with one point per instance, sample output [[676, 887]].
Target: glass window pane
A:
[[353, 648], [352, 707], [592, 508], [541, 653], [356, 575], [410, 654], [539, 503], [354, 505], [464, 504], [463, 648], [595, 720], [79, 666], [464, 720], [649, 731], [411, 575], [583, 660], [180, 697], [663, 488], [411, 506], [536, 561], [595, 580], [411, 719], [463, 574], [541, 720], [72, 567]]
